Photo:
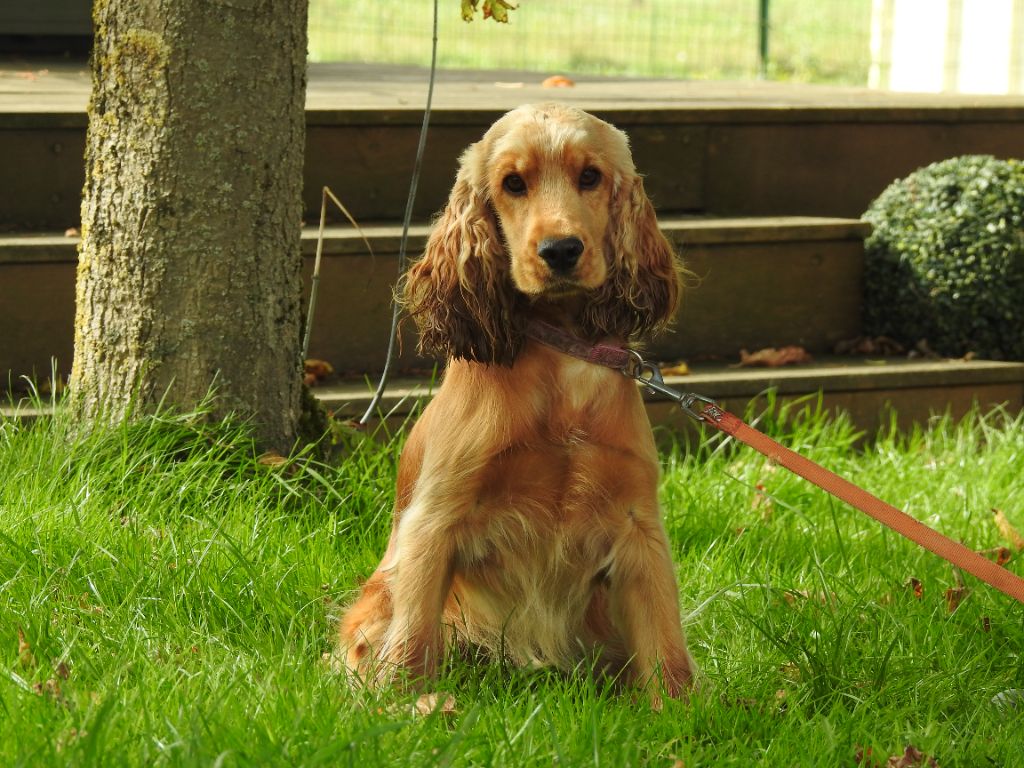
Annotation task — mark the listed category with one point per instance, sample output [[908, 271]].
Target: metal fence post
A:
[[762, 35]]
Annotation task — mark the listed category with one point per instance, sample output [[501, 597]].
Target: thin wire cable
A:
[[405, 228]]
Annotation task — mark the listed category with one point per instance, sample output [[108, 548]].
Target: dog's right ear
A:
[[460, 293]]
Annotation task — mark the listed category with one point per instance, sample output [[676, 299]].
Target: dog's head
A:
[[547, 209]]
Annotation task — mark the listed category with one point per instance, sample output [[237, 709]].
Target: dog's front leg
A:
[[644, 599], [420, 578]]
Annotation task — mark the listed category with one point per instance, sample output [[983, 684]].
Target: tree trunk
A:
[[189, 268]]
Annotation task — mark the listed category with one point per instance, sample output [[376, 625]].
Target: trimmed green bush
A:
[[945, 261]]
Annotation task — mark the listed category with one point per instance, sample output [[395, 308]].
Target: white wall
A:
[[970, 46]]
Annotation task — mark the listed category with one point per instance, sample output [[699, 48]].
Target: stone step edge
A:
[[831, 376], [339, 240], [857, 375]]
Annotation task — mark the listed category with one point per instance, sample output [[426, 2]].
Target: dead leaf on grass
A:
[[25, 655], [912, 757], [915, 585], [955, 596], [429, 703], [271, 459], [1001, 555], [762, 503], [1007, 531], [774, 357]]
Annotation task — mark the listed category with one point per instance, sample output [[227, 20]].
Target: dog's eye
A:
[[590, 178], [514, 184]]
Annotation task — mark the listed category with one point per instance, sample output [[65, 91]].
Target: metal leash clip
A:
[[649, 375]]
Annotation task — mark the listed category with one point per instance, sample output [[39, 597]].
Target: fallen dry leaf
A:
[[1002, 555], [25, 655], [762, 503], [955, 596], [429, 703], [881, 346], [915, 585], [50, 688], [271, 459], [557, 81], [956, 593], [1007, 531], [676, 369], [772, 357], [863, 757], [316, 371], [912, 757]]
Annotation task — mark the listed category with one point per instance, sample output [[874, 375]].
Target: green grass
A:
[[176, 596], [809, 40]]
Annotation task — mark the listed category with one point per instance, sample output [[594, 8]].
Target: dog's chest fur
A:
[[536, 544]]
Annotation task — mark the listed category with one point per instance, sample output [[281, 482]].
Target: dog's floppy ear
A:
[[642, 292], [459, 293]]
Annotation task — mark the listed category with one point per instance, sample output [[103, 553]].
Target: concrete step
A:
[[730, 148], [873, 393], [868, 390], [759, 282]]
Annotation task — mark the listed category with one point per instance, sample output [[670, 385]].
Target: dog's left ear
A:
[[642, 292]]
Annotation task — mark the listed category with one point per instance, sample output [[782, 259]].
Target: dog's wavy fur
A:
[[526, 520]]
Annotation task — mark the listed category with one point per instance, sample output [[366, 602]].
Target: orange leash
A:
[[956, 553]]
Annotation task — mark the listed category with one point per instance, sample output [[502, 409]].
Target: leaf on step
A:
[[774, 357], [1007, 531], [881, 346], [316, 371], [557, 81], [676, 369]]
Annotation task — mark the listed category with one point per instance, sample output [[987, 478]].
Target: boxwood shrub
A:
[[945, 262]]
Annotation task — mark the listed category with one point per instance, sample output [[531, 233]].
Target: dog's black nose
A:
[[560, 253]]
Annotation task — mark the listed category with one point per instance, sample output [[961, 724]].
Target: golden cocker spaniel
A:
[[527, 520]]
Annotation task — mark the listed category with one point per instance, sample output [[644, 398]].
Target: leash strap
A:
[[956, 553], [705, 410]]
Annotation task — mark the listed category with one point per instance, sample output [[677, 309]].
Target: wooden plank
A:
[[835, 169]]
